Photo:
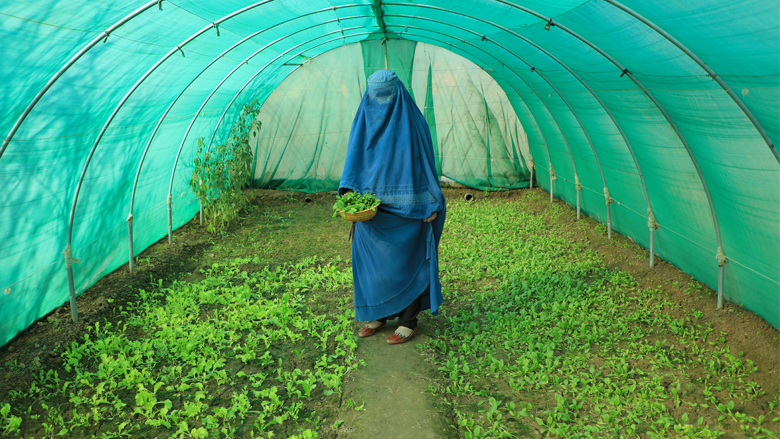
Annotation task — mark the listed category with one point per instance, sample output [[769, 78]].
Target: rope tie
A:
[[215, 25], [609, 199], [721, 257], [552, 173], [652, 224], [130, 218], [577, 183], [68, 253], [170, 200]]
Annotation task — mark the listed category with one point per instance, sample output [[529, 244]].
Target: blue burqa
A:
[[390, 154]]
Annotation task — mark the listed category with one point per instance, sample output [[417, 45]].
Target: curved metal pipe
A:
[[624, 71], [608, 199], [102, 37], [578, 186], [552, 171], [541, 132], [235, 96], [218, 57], [245, 61], [197, 113], [170, 106], [719, 255], [651, 218], [122, 103], [176, 160], [611, 116], [711, 73], [69, 268], [162, 118]]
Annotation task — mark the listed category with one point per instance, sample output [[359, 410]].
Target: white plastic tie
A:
[[552, 173], [68, 253], [609, 199], [652, 224], [8, 291], [130, 218], [577, 183], [170, 200], [721, 257]]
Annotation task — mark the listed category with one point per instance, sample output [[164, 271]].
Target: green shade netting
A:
[[203, 60], [307, 119]]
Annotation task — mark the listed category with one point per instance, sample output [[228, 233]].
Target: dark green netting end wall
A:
[[478, 139]]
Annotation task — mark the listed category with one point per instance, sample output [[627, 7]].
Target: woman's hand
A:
[[431, 218]]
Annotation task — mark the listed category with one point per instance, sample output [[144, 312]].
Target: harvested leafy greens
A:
[[353, 202]]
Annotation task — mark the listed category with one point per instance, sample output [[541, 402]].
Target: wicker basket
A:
[[363, 215]]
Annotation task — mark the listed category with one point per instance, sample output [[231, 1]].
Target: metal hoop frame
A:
[[710, 72]]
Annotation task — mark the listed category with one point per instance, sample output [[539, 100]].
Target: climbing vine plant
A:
[[223, 171]]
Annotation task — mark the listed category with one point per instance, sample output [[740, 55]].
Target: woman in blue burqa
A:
[[394, 255]]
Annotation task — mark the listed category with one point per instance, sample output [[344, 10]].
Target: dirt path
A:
[[392, 388]]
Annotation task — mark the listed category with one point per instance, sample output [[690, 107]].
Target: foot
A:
[[402, 335], [370, 328]]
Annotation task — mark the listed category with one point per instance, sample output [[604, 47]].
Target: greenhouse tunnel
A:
[[658, 119]]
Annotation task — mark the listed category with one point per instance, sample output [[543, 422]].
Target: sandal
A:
[[367, 331], [398, 339]]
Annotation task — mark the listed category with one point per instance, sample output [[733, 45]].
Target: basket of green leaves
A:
[[352, 206]]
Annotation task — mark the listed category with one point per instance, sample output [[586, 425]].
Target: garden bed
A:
[[549, 329]]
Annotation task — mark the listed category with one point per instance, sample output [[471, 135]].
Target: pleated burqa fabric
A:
[[390, 154]]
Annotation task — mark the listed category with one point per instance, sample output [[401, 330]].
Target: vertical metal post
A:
[[130, 242], [578, 204], [652, 225], [722, 261], [170, 218], [74, 312], [532, 175], [652, 247], [201, 211], [608, 200], [721, 281], [552, 177], [578, 188], [68, 253]]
